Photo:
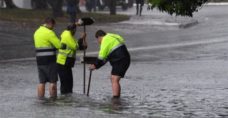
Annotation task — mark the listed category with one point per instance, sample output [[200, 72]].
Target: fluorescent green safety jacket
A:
[[109, 43], [70, 45], [46, 42], [112, 49]]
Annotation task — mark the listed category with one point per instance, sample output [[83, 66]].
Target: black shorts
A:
[[120, 67], [48, 73]]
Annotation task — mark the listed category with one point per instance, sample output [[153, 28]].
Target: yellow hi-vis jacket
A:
[[46, 42], [109, 43], [69, 52]]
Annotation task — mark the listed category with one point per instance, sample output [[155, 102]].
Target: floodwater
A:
[[175, 73], [181, 88]]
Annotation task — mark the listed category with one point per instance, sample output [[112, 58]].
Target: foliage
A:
[[178, 7]]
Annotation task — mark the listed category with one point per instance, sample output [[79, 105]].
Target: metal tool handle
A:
[[90, 74], [84, 65]]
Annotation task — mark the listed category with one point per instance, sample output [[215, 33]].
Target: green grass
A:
[[37, 16]]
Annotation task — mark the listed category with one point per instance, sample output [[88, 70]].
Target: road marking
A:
[[152, 47]]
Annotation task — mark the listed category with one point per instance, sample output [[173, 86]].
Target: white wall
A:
[[23, 3]]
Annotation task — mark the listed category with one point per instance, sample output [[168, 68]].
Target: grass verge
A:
[[37, 16]]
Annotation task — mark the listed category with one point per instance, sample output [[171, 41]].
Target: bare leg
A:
[[41, 90], [116, 88], [53, 90]]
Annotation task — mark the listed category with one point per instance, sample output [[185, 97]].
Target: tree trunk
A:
[[56, 7], [39, 4], [10, 4], [112, 7]]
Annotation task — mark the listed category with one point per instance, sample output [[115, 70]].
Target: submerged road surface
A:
[[175, 73]]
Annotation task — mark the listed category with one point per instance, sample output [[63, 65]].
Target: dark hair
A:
[[72, 28], [100, 33], [49, 20]]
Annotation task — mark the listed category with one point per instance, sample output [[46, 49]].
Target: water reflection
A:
[[108, 105], [114, 106]]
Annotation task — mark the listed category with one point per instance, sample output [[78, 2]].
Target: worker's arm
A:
[[103, 54], [71, 44], [81, 45], [102, 57], [99, 63], [82, 42], [54, 40]]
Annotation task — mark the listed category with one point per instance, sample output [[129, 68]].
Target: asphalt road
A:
[[175, 72]]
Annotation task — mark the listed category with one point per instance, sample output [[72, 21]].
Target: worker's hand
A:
[[83, 35], [79, 22], [92, 67]]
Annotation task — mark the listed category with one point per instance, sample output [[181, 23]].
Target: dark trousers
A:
[[66, 79], [139, 7]]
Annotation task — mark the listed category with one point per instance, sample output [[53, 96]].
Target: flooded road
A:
[[175, 73], [165, 88]]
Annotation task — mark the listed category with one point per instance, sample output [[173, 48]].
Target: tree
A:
[[178, 7], [10, 4]]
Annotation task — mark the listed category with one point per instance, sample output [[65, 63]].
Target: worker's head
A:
[[49, 22], [99, 35], [72, 28]]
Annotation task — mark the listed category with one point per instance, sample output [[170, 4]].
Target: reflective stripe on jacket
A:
[[69, 52], [47, 51], [46, 42]]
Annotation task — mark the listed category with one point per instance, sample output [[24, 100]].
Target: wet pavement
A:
[[175, 73]]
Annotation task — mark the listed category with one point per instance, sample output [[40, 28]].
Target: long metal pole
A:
[[84, 64], [90, 74]]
